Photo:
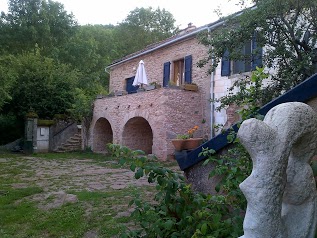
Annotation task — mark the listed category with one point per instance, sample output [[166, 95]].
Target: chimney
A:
[[189, 28]]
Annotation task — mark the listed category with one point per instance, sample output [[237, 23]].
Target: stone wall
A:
[[61, 131], [153, 63], [146, 120]]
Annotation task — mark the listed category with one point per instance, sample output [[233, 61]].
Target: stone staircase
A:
[[72, 144]]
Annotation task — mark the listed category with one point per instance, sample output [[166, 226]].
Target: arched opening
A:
[[102, 135], [138, 135]]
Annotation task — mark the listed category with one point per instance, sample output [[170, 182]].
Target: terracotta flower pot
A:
[[186, 144]]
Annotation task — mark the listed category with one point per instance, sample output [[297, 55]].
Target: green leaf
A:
[[139, 173], [203, 228], [132, 167]]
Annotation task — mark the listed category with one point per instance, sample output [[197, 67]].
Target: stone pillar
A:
[[30, 143]]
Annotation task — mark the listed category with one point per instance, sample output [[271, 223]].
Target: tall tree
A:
[[7, 78], [286, 29], [142, 27], [31, 23], [89, 51], [42, 84]]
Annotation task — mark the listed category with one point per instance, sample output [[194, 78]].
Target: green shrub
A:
[[11, 128], [176, 211]]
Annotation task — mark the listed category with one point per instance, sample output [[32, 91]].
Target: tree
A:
[[31, 23], [89, 51], [287, 29], [7, 78], [42, 84], [142, 27]]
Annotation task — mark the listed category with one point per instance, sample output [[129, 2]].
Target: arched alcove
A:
[[102, 135], [137, 135]]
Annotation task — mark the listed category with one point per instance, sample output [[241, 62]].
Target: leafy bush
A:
[[176, 211], [11, 128]]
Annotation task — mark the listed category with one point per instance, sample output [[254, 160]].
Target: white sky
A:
[[199, 12]]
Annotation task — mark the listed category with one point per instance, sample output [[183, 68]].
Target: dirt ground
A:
[[59, 176]]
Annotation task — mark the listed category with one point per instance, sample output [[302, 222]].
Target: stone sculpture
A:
[[281, 190]]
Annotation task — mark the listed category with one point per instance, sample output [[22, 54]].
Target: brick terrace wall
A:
[[168, 112], [154, 68]]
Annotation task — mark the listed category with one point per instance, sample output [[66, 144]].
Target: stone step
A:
[[72, 144], [72, 141]]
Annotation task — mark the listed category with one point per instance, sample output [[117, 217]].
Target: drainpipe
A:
[[212, 97], [212, 104]]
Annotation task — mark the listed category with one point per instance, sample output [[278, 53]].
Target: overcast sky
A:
[[199, 12]]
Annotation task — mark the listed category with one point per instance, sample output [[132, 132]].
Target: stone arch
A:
[[138, 135], [102, 134]]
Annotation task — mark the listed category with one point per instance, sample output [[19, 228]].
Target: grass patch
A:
[[97, 212], [15, 213], [71, 155], [6, 154], [67, 221]]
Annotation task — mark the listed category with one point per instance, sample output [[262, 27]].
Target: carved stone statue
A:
[[281, 190]]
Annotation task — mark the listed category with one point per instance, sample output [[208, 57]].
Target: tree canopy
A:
[[40, 23], [142, 27]]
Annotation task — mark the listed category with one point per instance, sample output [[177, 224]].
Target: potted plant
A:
[[187, 141]]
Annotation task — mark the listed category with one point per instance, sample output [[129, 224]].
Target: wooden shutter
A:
[[256, 53], [188, 69], [166, 74], [225, 64], [129, 87]]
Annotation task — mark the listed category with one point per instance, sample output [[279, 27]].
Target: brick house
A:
[[149, 120]]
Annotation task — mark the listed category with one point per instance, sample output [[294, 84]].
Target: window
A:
[[129, 87], [181, 72], [243, 65], [252, 58], [178, 72]]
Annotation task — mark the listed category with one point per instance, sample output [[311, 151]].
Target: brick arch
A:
[[138, 135], [102, 134], [140, 113]]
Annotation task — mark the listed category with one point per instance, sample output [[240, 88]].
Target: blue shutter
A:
[[130, 88], [247, 56], [256, 54], [166, 74], [188, 69], [225, 64]]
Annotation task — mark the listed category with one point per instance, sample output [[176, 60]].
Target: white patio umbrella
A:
[[140, 77]]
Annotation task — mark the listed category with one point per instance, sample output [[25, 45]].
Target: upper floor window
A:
[[178, 72], [251, 57], [181, 72]]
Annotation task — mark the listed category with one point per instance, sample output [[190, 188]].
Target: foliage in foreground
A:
[[176, 210]]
